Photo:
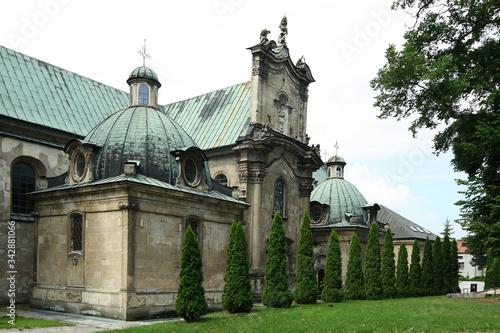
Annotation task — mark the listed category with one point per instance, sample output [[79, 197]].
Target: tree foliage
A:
[[415, 275], [402, 272], [373, 281], [437, 267], [190, 303], [355, 283], [237, 292], [306, 290], [454, 269], [446, 250], [427, 280], [388, 272], [276, 293], [492, 279], [447, 73], [332, 281]]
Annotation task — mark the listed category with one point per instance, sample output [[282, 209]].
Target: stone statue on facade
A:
[[263, 36], [284, 31]]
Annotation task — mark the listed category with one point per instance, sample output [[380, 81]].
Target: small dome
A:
[[138, 133], [342, 198], [143, 72], [336, 159]]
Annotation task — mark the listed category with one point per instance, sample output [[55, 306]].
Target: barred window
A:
[[23, 181], [76, 232], [279, 197], [194, 224]]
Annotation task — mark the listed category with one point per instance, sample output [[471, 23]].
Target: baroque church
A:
[[101, 184]]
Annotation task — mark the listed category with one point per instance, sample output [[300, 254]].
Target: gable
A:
[[215, 119], [39, 93]]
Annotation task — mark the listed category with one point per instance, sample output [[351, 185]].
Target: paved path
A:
[[84, 324]]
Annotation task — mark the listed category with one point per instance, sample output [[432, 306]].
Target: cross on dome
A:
[[144, 54]]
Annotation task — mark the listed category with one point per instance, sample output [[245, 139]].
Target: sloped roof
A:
[[215, 119], [401, 227], [40, 93]]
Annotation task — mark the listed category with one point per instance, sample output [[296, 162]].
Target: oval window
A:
[[191, 171], [79, 165], [316, 214]]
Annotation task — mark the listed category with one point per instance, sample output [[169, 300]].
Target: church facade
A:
[[102, 184]]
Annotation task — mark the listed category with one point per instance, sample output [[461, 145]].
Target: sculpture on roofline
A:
[[263, 36], [284, 31]]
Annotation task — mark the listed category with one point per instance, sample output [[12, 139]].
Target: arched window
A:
[[338, 173], [23, 181], [76, 232], [143, 94], [329, 172], [279, 197], [221, 179]]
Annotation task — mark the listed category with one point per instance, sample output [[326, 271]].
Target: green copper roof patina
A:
[[141, 134], [215, 119], [336, 159], [143, 72], [40, 93]]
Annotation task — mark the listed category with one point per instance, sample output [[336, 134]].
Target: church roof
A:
[[401, 227], [215, 119], [34, 91]]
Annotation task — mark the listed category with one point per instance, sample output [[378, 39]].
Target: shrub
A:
[[427, 280], [237, 293], [332, 281], [388, 272], [415, 274], [354, 284], [402, 272], [306, 290], [454, 269], [437, 267], [373, 282], [191, 303], [446, 274], [276, 293]]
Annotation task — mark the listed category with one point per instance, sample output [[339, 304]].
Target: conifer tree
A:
[[402, 272], [388, 272], [437, 267], [415, 274], [446, 250], [276, 293], [492, 279], [427, 281], [454, 269], [190, 303], [237, 293], [355, 284], [306, 290], [332, 281], [373, 282]]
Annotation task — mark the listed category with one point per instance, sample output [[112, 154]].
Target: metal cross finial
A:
[[336, 147], [144, 54]]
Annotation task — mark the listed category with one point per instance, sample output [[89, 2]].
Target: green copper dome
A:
[[138, 133], [336, 159], [143, 72]]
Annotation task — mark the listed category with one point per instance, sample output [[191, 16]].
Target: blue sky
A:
[[200, 46]]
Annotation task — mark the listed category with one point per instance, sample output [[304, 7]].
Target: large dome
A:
[[138, 133]]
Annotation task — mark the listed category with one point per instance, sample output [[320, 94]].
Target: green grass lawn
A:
[[425, 314], [22, 322]]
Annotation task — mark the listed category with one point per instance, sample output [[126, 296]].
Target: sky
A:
[[200, 46]]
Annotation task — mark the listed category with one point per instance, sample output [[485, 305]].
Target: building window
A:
[[338, 173], [279, 197], [316, 213], [221, 179], [461, 265], [79, 164], [76, 232], [191, 172], [143, 94], [329, 172], [23, 181]]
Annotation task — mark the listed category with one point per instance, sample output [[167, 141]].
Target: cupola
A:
[[335, 167], [144, 86]]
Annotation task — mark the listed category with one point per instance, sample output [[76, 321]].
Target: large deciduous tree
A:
[[447, 74], [306, 290]]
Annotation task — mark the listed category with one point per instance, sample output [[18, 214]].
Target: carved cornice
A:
[[127, 205], [252, 177]]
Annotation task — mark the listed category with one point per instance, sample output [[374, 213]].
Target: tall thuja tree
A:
[[237, 293], [355, 284], [306, 290], [427, 280], [492, 279], [402, 272], [388, 272], [454, 269], [190, 303], [373, 282], [332, 281], [276, 293], [415, 274], [437, 267], [446, 250]]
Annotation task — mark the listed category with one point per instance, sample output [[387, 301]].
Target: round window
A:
[[191, 171], [316, 213], [79, 164]]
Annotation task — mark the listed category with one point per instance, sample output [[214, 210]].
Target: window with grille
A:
[[76, 232], [221, 179], [23, 181], [279, 197], [316, 213]]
